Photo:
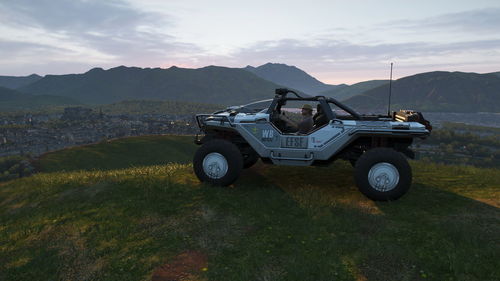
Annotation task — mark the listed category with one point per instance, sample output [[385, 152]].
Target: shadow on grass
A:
[[446, 235], [428, 233], [274, 223]]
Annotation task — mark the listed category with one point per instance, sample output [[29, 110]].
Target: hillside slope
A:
[[157, 107], [120, 154], [12, 100], [290, 77], [14, 82], [216, 85], [275, 223], [435, 91], [348, 91]]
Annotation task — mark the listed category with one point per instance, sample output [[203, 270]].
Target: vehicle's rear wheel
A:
[[383, 174], [218, 162]]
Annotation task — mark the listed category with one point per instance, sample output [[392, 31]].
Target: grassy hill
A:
[[212, 84], [138, 218], [435, 91], [120, 154], [12, 100]]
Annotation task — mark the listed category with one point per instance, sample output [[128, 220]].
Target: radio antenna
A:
[[390, 92]]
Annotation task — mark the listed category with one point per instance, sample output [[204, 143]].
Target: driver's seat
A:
[[319, 119]]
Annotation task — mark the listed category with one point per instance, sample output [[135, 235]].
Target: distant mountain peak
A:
[[289, 76], [95, 70], [213, 67], [277, 64]]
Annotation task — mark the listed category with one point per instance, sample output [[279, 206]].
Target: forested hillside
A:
[[435, 91], [212, 84]]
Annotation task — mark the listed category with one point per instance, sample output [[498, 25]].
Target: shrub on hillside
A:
[[16, 166]]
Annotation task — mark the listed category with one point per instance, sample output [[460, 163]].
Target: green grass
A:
[[120, 153], [274, 223]]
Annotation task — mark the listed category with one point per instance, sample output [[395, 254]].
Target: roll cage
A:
[[281, 98]]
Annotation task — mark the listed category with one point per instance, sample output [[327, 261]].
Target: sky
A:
[[334, 41]]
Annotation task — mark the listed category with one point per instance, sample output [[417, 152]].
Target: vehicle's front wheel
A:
[[218, 162], [383, 174], [250, 157]]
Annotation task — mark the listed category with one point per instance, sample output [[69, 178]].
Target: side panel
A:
[[290, 149]]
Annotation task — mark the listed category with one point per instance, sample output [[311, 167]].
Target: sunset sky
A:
[[335, 41]]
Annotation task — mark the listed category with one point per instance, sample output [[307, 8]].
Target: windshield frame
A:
[[265, 105]]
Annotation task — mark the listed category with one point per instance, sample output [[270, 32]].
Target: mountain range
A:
[[210, 84], [292, 77], [347, 91], [432, 91]]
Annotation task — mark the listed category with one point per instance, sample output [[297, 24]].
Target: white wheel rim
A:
[[383, 176], [215, 165]]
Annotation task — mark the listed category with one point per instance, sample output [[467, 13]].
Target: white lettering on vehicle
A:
[[267, 134]]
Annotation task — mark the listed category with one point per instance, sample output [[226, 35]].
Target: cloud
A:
[[337, 61], [483, 21], [88, 33], [31, 53], [111, 30], [370, 48], [347, 52], [26, 58], [72, 16]]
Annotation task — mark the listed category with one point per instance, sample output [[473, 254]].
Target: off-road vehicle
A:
[[376, 145]]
